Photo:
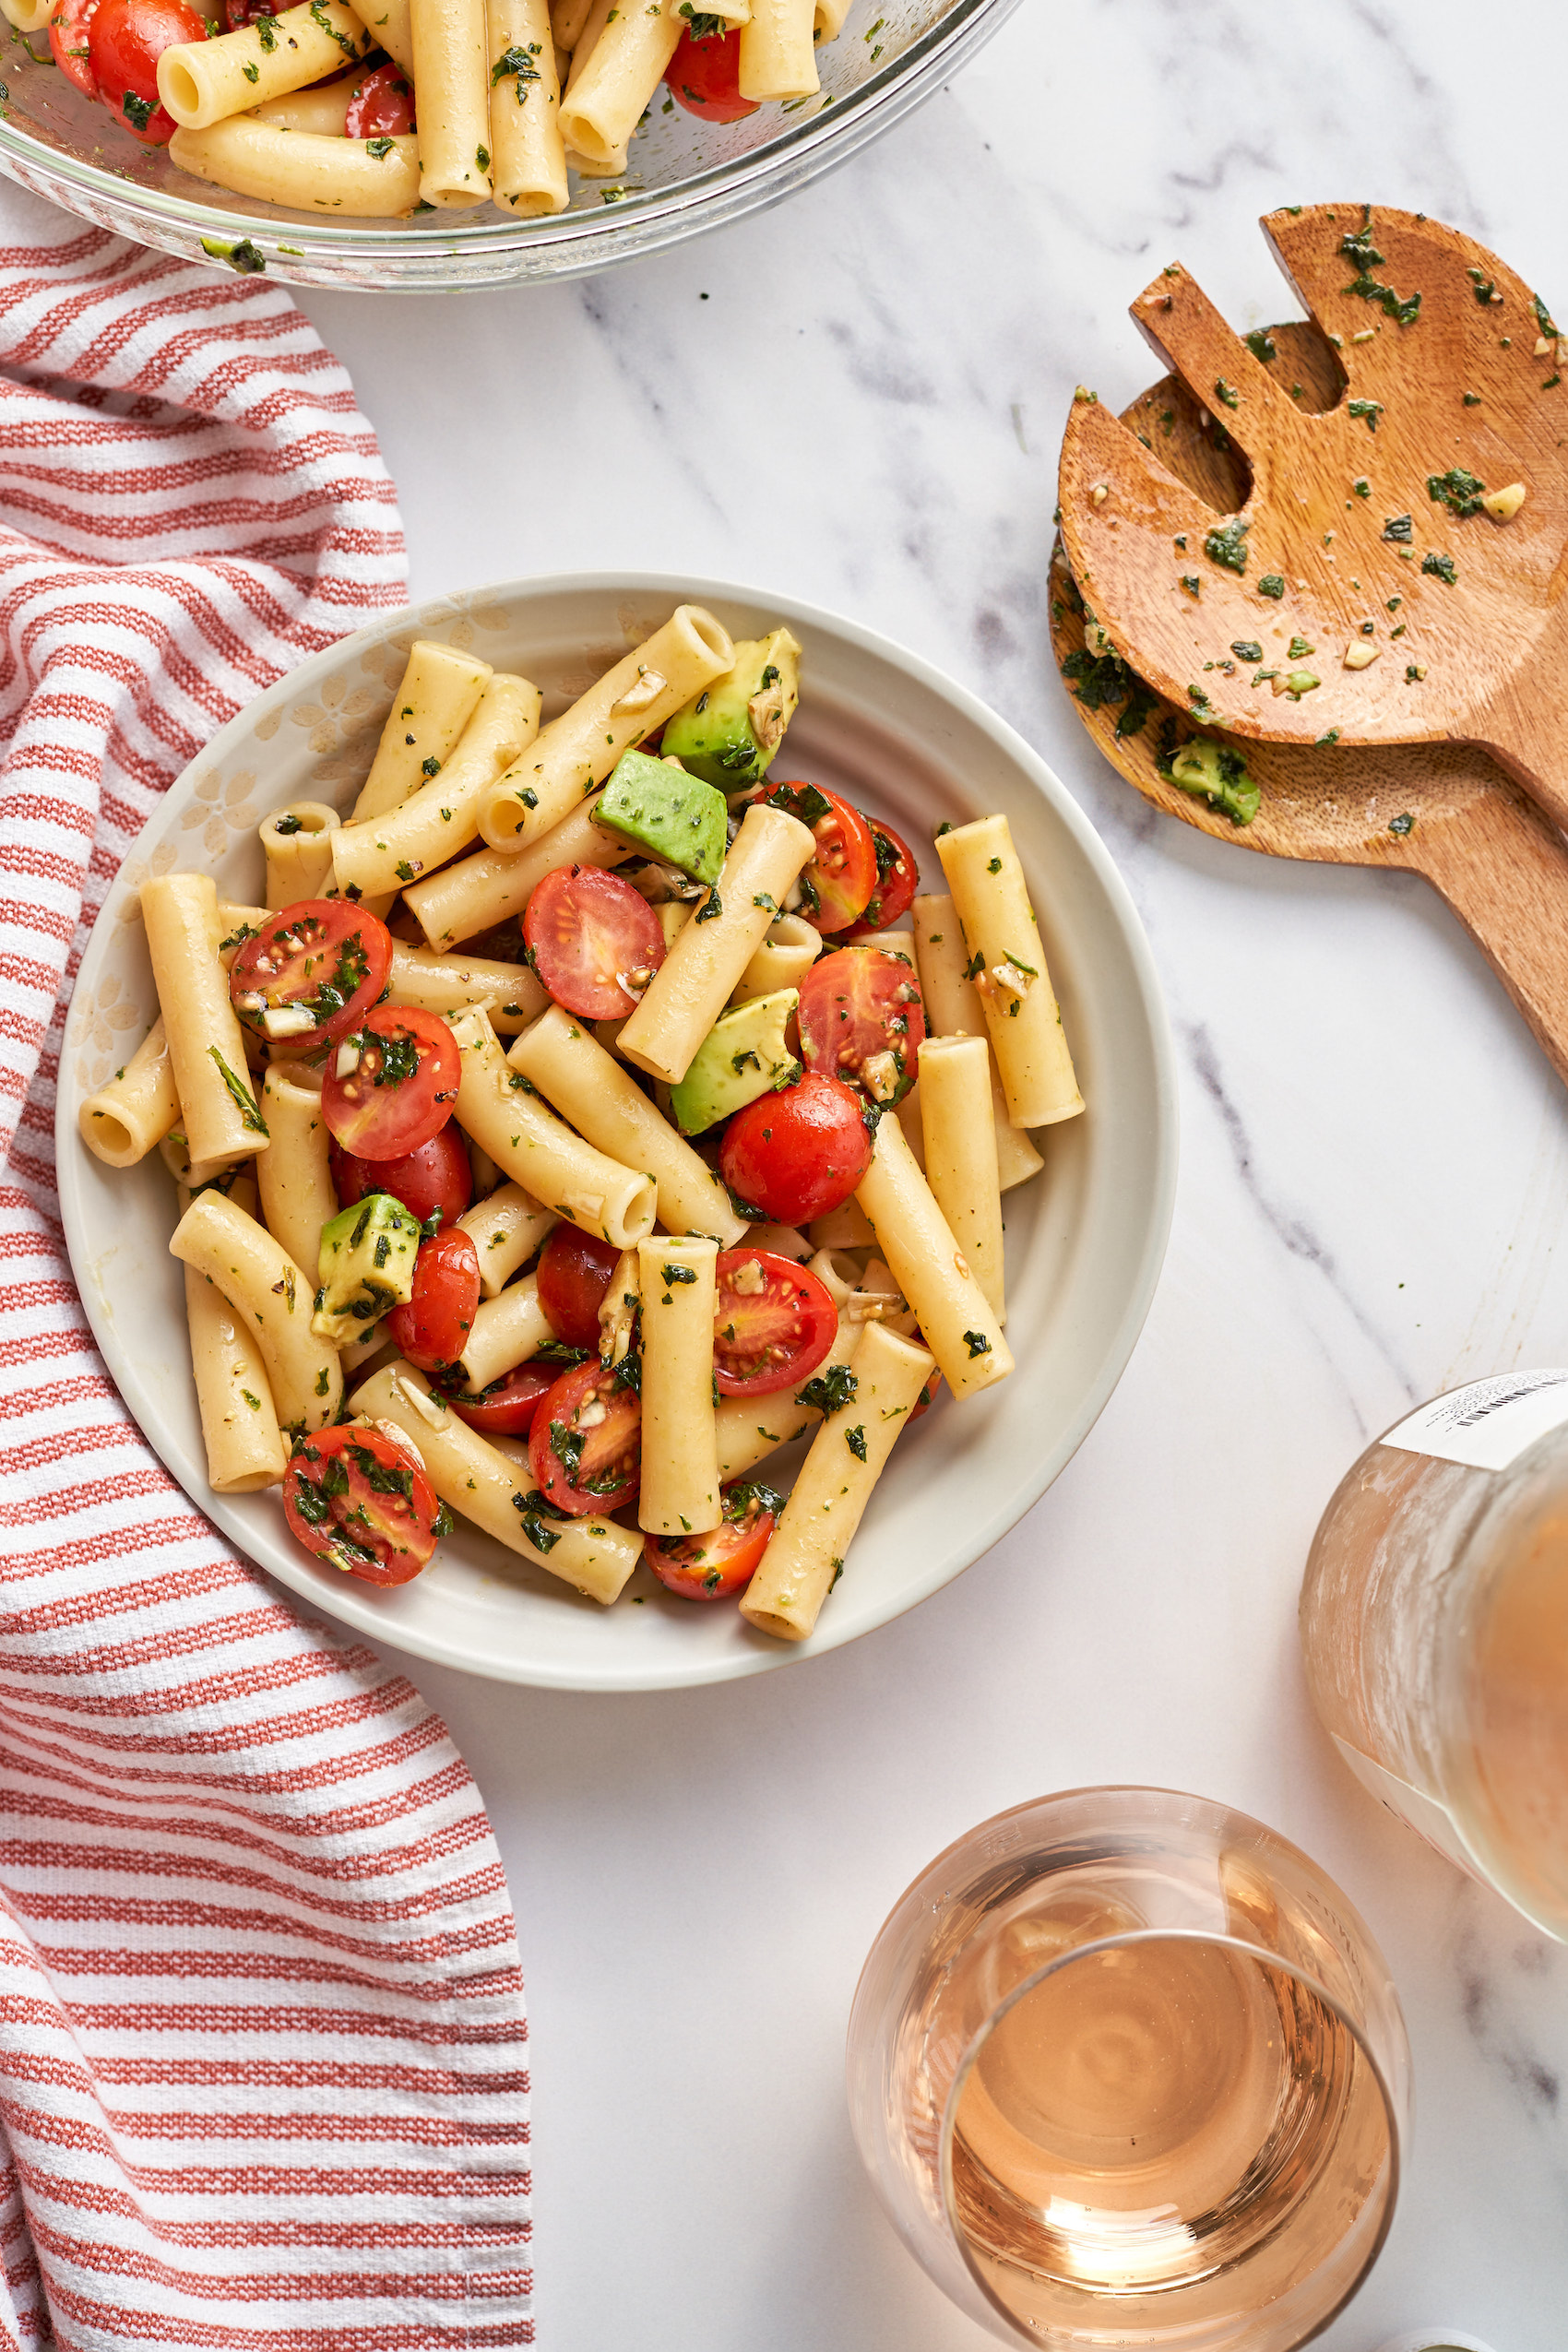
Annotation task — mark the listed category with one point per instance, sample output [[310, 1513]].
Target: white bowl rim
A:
[[988, 1528]]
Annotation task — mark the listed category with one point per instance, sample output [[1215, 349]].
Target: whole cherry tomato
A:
[[574, 1275], [798, 1154], [438, 1176], [432, 1328], [705, 75], [125, 39]]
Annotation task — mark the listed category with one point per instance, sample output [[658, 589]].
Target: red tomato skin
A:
[[583, 925], [507, 1408], [798, 1303], [126, 39], [404, 1536], [716, 1566], [895, 886], [705, 76], [381, 106], [854, 1004], [437, 1176], [432, 1328], [560, 1405], [842, 876], [68, 30], [574, 1275], [330, 928], [384, 1120], [798, 1154], [241, 13]]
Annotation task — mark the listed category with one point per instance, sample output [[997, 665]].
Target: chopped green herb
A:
[[1262, 345], [1246, 650], [243, 1100], [829, 1391], [1458, 491], [1271, 585], [1402, 825], [1442, 567], [1398, 529], [1226, 544], [1227, 392], [855, 1439], [977, 1343], [1370, 409]]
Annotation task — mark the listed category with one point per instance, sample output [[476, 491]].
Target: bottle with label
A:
[[1434, 1619]]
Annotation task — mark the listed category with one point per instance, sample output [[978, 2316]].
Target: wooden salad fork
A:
[[1399, 554], [1444, 810]]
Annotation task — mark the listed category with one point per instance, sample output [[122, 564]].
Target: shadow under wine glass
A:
[[1127, 2069]]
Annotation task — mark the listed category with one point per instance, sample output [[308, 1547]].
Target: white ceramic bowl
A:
[[1085, 1241]]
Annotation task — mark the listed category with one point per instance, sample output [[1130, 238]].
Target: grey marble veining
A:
[[858, 399]]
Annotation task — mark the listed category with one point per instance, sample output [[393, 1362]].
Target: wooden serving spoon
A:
[[1444, 810], [1362, 534]]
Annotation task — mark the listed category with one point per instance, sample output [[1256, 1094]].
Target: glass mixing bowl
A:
[[684, 174]]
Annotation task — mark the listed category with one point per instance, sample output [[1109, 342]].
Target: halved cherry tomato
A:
[[439, 1176], [585, 1448], [798, 1154], [574, 1275], [507, 1406], [125, 39], [432, 1328], [381, 106], [715, 1567], [836, 886], [705, 75], [322, 958], [927, 1397], [362, 1501], [897, 879], [68, 39], [862, 1020], [390, 1086], [585, 928], [772, 1325]]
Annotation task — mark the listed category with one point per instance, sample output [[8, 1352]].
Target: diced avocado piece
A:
[[1213, 772], [729, 733], [744, 1055], [367, 1266], [674, 815]]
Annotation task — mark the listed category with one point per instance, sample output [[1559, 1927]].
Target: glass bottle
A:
[[1434, 1619]]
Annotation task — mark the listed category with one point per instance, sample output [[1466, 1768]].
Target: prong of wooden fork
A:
[[1177, 318]]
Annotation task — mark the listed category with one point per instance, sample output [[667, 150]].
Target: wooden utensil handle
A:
[[1504, 868]]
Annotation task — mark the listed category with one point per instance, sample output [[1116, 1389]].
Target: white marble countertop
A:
[[858, 399]]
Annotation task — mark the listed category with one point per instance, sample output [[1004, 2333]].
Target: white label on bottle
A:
[[1421, 1814], [1489, 1423]]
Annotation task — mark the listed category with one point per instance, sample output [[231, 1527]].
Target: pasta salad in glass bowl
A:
[[438, 143], [570, 1141]]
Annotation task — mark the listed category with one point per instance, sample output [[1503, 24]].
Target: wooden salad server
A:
[[1444, 810], [1400, 556]]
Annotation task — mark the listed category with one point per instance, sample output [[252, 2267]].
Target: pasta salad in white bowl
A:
[[583, 1043]]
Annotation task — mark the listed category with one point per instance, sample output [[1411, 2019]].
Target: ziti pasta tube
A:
[[848, 1456], [500, 1110], [452, 98], [439, 818], [778, 50], [207, 1049], [680, 1447], [294, 1174], [389, 24], [954, 1314], [952, 1009], [578, 751], [297, 845], [202, 82], [605, 102], [526, 147], [355, 179], [960, 1154], [505, 1229], [239, 1428], [273, 1297], [123, 1120], [604, 1102], [693, 985], [437, 696], [1021, 1014], [475, 1479], [790, 948], [505, 1332], [497, 885], [448, 984], [324, 110]]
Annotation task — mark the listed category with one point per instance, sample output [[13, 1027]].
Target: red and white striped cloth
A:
[[262, 2036]]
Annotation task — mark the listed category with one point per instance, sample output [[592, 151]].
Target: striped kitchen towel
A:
[[261, 2040]]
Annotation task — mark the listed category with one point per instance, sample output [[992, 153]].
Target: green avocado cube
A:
[[744, 1055], [730, 732], [367, 1266], [673, 815]]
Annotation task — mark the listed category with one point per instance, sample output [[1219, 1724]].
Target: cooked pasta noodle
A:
[[297, 845], [957, 1321], [123, 1120], [452, 85], [1021, 1012], [497, 1106], [680, 1470]]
